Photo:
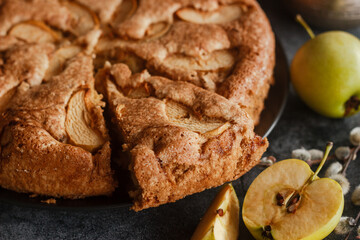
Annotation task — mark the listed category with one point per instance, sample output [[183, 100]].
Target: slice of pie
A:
[[181, 139]]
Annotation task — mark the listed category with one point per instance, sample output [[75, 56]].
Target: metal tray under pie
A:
[[274, 106]]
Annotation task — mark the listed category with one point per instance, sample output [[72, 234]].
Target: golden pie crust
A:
[[184, 83]]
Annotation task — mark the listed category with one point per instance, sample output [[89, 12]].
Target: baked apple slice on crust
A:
[[35, 60], [83, 18], [41, 18], [199, 31], [205, 72], [124, 11], [181, 139], [59, 58], [151, 20], [223, 14], [85, 43], [105, 9], [78, 120], [34, 32], [52, 13], [41, 150]]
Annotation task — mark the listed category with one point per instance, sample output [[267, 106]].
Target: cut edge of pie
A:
[[181, 139]]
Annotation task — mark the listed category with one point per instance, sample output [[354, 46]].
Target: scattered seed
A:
[[220, 212]]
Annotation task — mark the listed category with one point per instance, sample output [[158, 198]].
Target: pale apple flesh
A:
[[126, 9], [217, 60], [181, 116], [221, 15], [319, 210], [34, 32], [59, 59], [221, 220], [77, 123], [84, 19], [157, 30]]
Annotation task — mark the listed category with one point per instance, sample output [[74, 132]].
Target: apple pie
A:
[[183, 83]]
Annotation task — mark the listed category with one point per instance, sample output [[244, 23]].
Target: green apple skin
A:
[[325, 72]]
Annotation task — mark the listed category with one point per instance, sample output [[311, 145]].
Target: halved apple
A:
[[288, 201], [77, 123], [34, 32], [221, 15], [181, 116], [59, 58], [221, 59], [221, 220], [126, 9], [84, 18]]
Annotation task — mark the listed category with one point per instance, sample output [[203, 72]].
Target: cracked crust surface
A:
[[188, 130], [181, 139], [16, 11], [36, 155], [249, 38]]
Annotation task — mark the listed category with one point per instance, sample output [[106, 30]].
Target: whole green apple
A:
[[326, 74]]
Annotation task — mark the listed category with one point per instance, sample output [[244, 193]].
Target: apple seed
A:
[[294, 203], [267, 232], [280, 199], [220, 212]]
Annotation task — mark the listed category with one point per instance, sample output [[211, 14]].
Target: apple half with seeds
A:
[[288, 201]]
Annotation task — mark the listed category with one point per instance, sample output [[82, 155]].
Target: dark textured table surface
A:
[[298, 127]]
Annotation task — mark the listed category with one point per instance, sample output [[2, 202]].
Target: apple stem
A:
[[329, 145], [300, 20]]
